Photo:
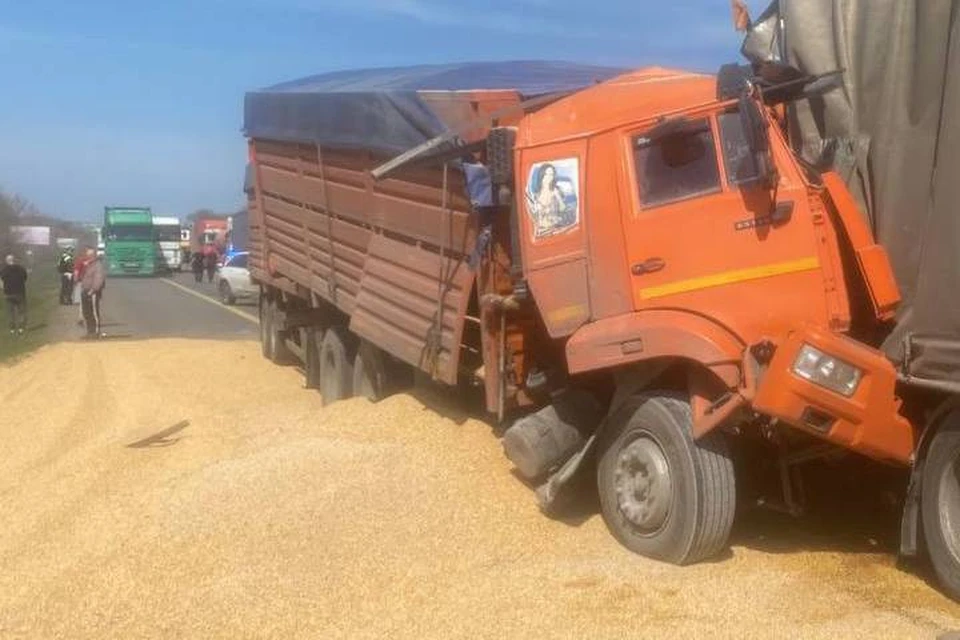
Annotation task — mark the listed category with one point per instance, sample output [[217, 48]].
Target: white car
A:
[[233, 280]]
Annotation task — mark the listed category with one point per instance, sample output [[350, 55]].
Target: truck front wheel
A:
[[940, 506], [662, 494], [336, 365]]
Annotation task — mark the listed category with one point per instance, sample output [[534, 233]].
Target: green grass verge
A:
[[43, 287]]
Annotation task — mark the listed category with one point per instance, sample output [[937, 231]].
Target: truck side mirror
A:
[[755, 130]]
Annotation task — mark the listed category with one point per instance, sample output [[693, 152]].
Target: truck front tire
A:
[[940, 506], [662, 494], [336, 365]]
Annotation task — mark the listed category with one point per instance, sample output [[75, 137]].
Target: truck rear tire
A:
[[336, 365], [662, 494], [277, 347], [314, 348], [370, 376], [940, 506], [266, 321]]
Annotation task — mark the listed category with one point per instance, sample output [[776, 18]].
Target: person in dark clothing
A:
[[14, 278], [196, 264], [211, 262], [65, 269]]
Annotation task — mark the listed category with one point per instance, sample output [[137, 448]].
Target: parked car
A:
[[234, 279]]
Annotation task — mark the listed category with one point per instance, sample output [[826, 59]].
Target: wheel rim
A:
[[643, 485], [950, 508]]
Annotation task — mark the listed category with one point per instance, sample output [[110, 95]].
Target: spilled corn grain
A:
[[268, 516]]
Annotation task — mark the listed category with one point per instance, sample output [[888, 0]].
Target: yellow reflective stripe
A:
[[730, 277]]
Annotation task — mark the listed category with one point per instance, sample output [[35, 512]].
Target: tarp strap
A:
[[331, 283], [436, 330]]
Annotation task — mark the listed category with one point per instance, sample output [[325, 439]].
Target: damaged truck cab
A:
[[664, 228]]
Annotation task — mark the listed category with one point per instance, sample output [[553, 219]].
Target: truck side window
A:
[[740, 164], [677, 165]]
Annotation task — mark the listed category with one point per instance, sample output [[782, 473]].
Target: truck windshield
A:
[[131, 232], [168, 233]]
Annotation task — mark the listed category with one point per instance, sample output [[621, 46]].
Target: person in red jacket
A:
[[78, 266]]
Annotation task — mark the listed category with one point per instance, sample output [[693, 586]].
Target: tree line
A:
[[16, 210]]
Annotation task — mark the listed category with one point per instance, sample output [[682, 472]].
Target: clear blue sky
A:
[[127, 102]]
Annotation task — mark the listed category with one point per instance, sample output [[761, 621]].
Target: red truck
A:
[[635, 266], [209, 232]]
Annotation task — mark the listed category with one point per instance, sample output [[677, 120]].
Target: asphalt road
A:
[[163, 307]]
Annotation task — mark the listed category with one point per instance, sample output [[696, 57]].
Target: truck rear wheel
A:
[[370, 378], [276, 348], [662, 494], [266, 321], [312, 361], [940, 506], [336, 365]]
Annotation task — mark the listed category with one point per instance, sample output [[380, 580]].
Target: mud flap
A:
[[629, 382], [910, 520], [547, 492]]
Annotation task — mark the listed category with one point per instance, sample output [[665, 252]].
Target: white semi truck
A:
[[167, 232]]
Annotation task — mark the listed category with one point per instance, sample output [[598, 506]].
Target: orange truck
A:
[[635, 266]]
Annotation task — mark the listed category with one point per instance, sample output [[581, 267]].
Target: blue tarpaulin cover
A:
[[382, 110]]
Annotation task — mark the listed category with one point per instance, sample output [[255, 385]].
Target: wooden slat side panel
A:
[[380, 245], [389, 316], [402, 207], [401, 345]]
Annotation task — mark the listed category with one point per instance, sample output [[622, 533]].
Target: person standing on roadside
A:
[[92, 282], [196, 263], [14, 278], [65, 268], [210, 261], [78, 265]]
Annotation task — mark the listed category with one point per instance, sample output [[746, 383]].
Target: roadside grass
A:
[[43, 286]]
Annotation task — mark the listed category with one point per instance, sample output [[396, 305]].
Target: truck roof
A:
[[127, 215], [391, 110], [630, 97]]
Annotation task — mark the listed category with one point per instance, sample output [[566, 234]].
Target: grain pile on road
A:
[[268, 516]]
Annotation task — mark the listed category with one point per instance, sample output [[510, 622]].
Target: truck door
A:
[[703, 236]]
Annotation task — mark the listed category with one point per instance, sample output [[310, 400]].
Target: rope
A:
[[331, 282], [437, 328]]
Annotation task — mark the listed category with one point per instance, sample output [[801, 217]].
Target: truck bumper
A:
[[867, 422]]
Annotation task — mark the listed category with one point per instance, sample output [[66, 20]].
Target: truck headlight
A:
[[827, 371]]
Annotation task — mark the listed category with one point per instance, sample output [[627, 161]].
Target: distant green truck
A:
[[129, 242]]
